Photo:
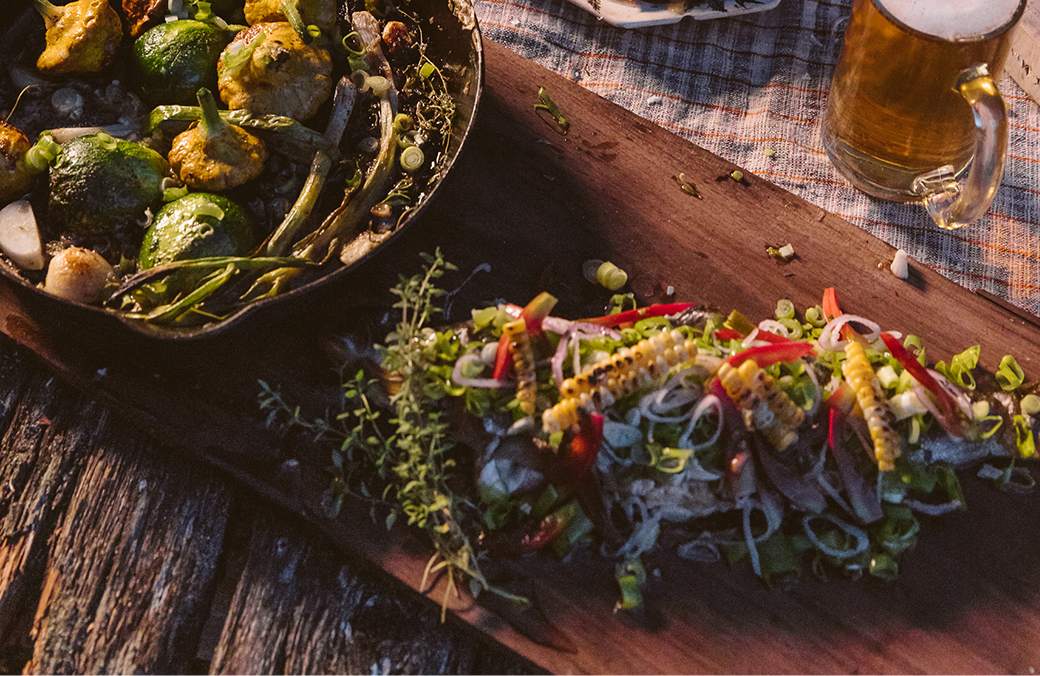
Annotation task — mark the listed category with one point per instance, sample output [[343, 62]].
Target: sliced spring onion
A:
[[412, 159], [39, 157], [238, 54], [427, 70], [1009, 374], [610, 276]]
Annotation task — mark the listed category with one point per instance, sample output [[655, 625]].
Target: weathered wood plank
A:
[[43, 448], [301, 608], [128, 582]]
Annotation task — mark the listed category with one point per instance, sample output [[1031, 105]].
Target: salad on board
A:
[[174, 161], [808, 442]]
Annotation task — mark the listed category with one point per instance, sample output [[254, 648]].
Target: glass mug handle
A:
[[951, 204]]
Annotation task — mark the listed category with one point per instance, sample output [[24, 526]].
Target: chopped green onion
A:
[[412, 159], [793, 326], [175, 193], [238, 54], [630, 577], [209, 209], [961, 365], [377, 84], [815, 316], [39, 157], [1009, 374], [784, 309], [611, 277], [1024, 436], [427, 70], [548, 106], [737, 175], [1030, 404], [403, 122], [107, 142]]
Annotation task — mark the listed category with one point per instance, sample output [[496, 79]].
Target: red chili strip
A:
[[766, 355], [630, 316], [946, 403]]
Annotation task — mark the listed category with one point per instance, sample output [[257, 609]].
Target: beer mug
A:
[[913, 112]]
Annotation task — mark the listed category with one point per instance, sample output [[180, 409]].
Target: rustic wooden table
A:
[[122, 554], [199, 545]]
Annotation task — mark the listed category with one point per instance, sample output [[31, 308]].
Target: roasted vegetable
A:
[[766, 407], [172, 60], [268, 70], [871, 401], [198, 225], [82, 36], [215, 155], [600, 385], [79, 275], [15, 178], [320, 13], [99, 183]]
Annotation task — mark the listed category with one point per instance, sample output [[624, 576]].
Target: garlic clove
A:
[[20, 236], [78, 274]]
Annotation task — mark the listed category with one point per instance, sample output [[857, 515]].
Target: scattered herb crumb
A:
[[547, 104], [782, 254], [687, 187]]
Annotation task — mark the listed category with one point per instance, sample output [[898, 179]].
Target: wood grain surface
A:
[[523, 209]]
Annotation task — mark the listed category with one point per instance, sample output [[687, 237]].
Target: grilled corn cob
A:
[[766, 407], [523, 363], [598, 386], [880, 421]]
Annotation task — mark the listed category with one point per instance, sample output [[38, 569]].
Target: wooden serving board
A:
[[524, 208]]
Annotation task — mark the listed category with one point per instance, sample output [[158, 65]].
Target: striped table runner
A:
[[752, 89]]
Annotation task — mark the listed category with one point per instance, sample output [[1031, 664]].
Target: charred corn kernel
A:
[[523, 364], [600, 385], [880, 421], [765, 406]]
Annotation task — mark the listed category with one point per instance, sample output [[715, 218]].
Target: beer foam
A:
[[956, 19]]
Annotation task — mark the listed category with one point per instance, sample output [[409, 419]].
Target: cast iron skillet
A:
[[450, 27]]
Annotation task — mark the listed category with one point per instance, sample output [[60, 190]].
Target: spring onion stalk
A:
[[292, 14], [412, 159], [285, 134], [281, 241]]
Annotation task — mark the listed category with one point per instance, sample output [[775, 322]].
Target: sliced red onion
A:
[[484, 383], [830, 337], [774, 326], [557, 360], [862, 541], [933, 510], [709, 403]]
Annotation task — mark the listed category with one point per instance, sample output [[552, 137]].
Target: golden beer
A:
[[894, 111]]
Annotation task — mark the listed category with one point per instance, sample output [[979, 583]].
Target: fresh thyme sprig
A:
[[405, 453]]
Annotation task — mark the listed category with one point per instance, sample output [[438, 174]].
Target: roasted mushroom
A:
[[82, 36], [215, 155], [268, 70]]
